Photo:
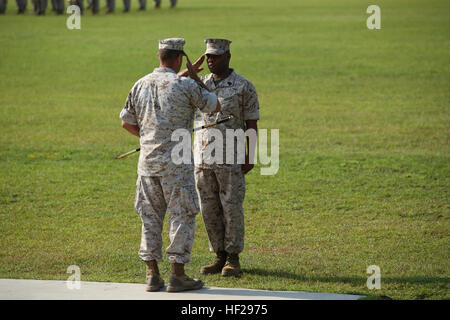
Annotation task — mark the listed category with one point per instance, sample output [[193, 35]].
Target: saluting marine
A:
[[221, 186], [157, 105]]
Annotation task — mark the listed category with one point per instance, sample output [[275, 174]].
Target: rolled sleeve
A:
[[128, 113], [128, 117], [211, 103], [251, 103]]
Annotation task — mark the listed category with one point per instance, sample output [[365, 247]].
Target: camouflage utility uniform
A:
[[221, 187], [160, 103]]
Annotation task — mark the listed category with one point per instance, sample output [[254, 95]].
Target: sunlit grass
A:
[[364, 143]]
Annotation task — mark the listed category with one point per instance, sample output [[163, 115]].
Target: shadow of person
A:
[[345, 279]]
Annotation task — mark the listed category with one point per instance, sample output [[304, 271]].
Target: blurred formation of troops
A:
[[39, 6]]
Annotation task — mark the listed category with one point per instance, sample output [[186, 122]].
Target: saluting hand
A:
[[194, 76], [192, 73], [196, 66]]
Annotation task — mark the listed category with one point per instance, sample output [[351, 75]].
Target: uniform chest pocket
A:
[[229, 100]]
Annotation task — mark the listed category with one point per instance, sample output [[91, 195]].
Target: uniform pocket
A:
[[189, 199], [229, 102]]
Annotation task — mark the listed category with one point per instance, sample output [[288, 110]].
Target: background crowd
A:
[[40, 6]]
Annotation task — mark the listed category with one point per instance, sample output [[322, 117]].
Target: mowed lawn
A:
[[364, 124]]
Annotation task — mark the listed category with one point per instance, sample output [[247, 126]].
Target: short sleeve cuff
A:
[[211, 104], [251, 116], [128, 117]]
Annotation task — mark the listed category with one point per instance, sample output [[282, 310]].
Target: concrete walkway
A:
[[21, 289]]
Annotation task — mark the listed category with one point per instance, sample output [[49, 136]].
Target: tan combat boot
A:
[[217, 265], [153, 279], [179, 281], [232, 266]]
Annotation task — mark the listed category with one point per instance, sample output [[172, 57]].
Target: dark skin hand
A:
[[247, 166], [219, 66], [194, 76]]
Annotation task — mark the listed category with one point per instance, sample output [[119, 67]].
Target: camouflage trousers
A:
[[177, 196], [221, 192]]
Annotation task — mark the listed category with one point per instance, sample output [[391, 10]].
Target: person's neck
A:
[[223, 75], [162, 65]]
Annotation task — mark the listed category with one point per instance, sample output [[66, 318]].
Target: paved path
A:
[[19, 289]]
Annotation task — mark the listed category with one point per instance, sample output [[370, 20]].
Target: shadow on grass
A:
[[346, 279]]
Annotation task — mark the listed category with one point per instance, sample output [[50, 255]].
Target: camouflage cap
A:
[[217, 46], [172, 44]]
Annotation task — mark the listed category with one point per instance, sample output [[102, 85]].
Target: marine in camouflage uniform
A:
[[21, 6], [3, 5], [221, 187], [157, 105], [173, 3]]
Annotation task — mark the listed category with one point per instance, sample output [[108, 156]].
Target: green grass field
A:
[[364, 142]]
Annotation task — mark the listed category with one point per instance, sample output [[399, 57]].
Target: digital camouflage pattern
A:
[[172, 44], [160, 103], [176, 195], [217, 46], [238, 98], [222, 192], [221, 187]]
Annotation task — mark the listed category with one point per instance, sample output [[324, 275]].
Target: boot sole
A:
[[153, 288], [179, 289]]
